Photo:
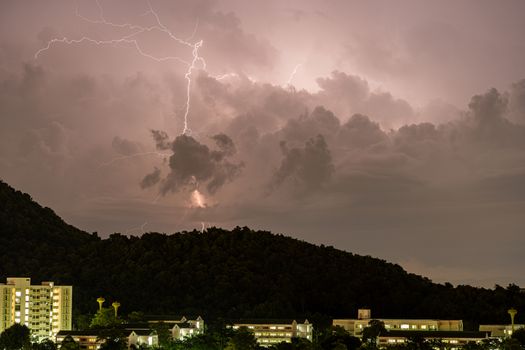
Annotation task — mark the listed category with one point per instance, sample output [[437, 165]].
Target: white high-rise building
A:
[[45, 309]]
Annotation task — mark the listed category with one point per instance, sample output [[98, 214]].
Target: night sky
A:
[[389, 128]]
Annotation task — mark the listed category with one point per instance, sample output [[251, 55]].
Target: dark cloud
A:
[[307, 168], [162, 140], [125, 147], [225, 144], [489, 107], [193, 164], [151, 179]]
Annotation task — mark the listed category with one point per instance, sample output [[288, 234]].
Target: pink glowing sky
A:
[[401, 134]]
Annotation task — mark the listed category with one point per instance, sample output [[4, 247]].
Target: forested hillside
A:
[[226, 274]]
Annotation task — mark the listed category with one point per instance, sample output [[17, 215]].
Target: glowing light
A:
[[197, 199]]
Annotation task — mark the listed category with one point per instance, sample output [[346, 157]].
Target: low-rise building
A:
[[356, 326], [180, 327], [92, 339], [271, 332], [45, 309], [499, 330], [450, 339]]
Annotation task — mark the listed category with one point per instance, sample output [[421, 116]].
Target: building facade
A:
[[499, 330], [45, 309], [93, 339], [180, 327], [356, 326], [448, 339], [271, 332]]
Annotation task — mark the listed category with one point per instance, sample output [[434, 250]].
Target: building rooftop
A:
[[285, 321], [435, 334]]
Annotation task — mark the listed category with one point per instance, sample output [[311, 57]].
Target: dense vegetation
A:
[[227, 274]]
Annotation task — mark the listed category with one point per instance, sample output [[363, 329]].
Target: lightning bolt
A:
[[141, 228], [131, 39], [158, 154], [196, 62], [292, 75]]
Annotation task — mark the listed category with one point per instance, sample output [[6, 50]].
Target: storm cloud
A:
[[192, 164], [407, 144]]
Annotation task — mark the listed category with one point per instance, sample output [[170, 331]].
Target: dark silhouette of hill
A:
[[227, 274]]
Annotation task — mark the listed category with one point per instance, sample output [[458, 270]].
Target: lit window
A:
[[404, 326], [423, 326]]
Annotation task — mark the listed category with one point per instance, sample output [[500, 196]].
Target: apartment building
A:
[[271, 332], [356, 326], [45, 309]]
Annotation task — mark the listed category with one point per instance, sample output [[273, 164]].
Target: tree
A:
[[163, 332], [302, 344], [243, 339], [136, 316], [113, 344], [519, 335], [69, 344], [15, 337], [374, 329], [105, 318], [82, 321], [418, 342], [201, 342], [46, 344], [338, 337], [511, 344]]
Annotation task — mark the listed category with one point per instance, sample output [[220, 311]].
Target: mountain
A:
[[227, 274]]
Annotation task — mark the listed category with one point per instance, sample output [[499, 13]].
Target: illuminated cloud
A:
[[193, 164]]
